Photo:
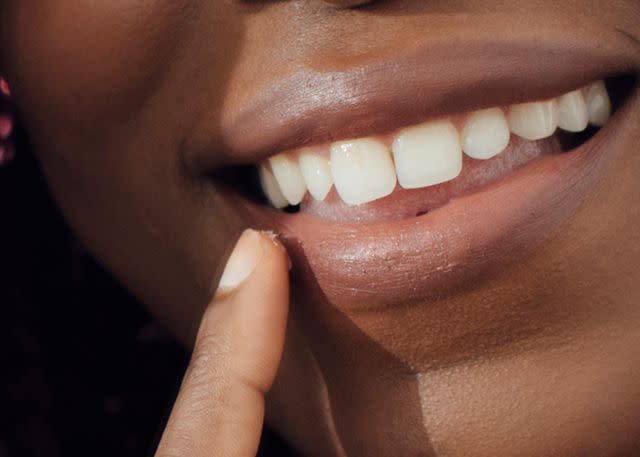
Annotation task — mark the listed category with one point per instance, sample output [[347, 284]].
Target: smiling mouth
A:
[[484, 150], [443, 158], [417, 169]]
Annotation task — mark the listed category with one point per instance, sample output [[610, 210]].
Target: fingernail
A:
[[243, 260]]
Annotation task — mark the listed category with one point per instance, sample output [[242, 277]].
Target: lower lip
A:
[[404, 262]]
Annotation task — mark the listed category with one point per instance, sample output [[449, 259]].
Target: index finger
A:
[[220, 407]]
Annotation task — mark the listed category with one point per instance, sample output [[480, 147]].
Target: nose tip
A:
[[347, 3]]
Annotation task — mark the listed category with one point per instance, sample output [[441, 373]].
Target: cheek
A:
[[106, 90], [82, 72], [83, 61]]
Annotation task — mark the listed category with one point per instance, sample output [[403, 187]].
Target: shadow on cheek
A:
[[374, 397]]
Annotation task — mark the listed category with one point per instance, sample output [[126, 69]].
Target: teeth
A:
[[316, 172], [287, 173], [598, 103], [271, 188], [428, 154], [485, 134], [362, 170], [367, 169], [534, 121], [572, 112]]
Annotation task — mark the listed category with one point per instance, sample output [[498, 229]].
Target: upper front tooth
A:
[[534, 121], [427, 154], [271, 188], [598, 103], [572, 112], [287, 173], [485, 134], [362, 170], [316, 173]]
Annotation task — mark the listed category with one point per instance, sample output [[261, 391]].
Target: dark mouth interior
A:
[[245, 181], [620, 88]]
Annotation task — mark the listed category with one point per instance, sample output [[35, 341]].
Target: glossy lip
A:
[[404, 262]]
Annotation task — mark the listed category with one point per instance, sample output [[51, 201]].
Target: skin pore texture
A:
[[535, 352]]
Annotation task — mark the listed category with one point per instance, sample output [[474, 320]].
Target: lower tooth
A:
[[534, 121], [598, 103], [271, 188], [362, 170], [428, 154]]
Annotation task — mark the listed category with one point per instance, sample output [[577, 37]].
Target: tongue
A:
[[404, 203]]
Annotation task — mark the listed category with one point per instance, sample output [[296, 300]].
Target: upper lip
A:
[[311, 106]]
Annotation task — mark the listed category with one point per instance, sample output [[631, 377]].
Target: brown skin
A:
[[545, 362]]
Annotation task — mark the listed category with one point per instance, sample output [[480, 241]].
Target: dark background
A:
[[83, 367]]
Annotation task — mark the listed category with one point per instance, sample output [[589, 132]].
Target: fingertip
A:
[[243, 260], [281, 251], [251, 248], [237, 351], [261, 306]]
